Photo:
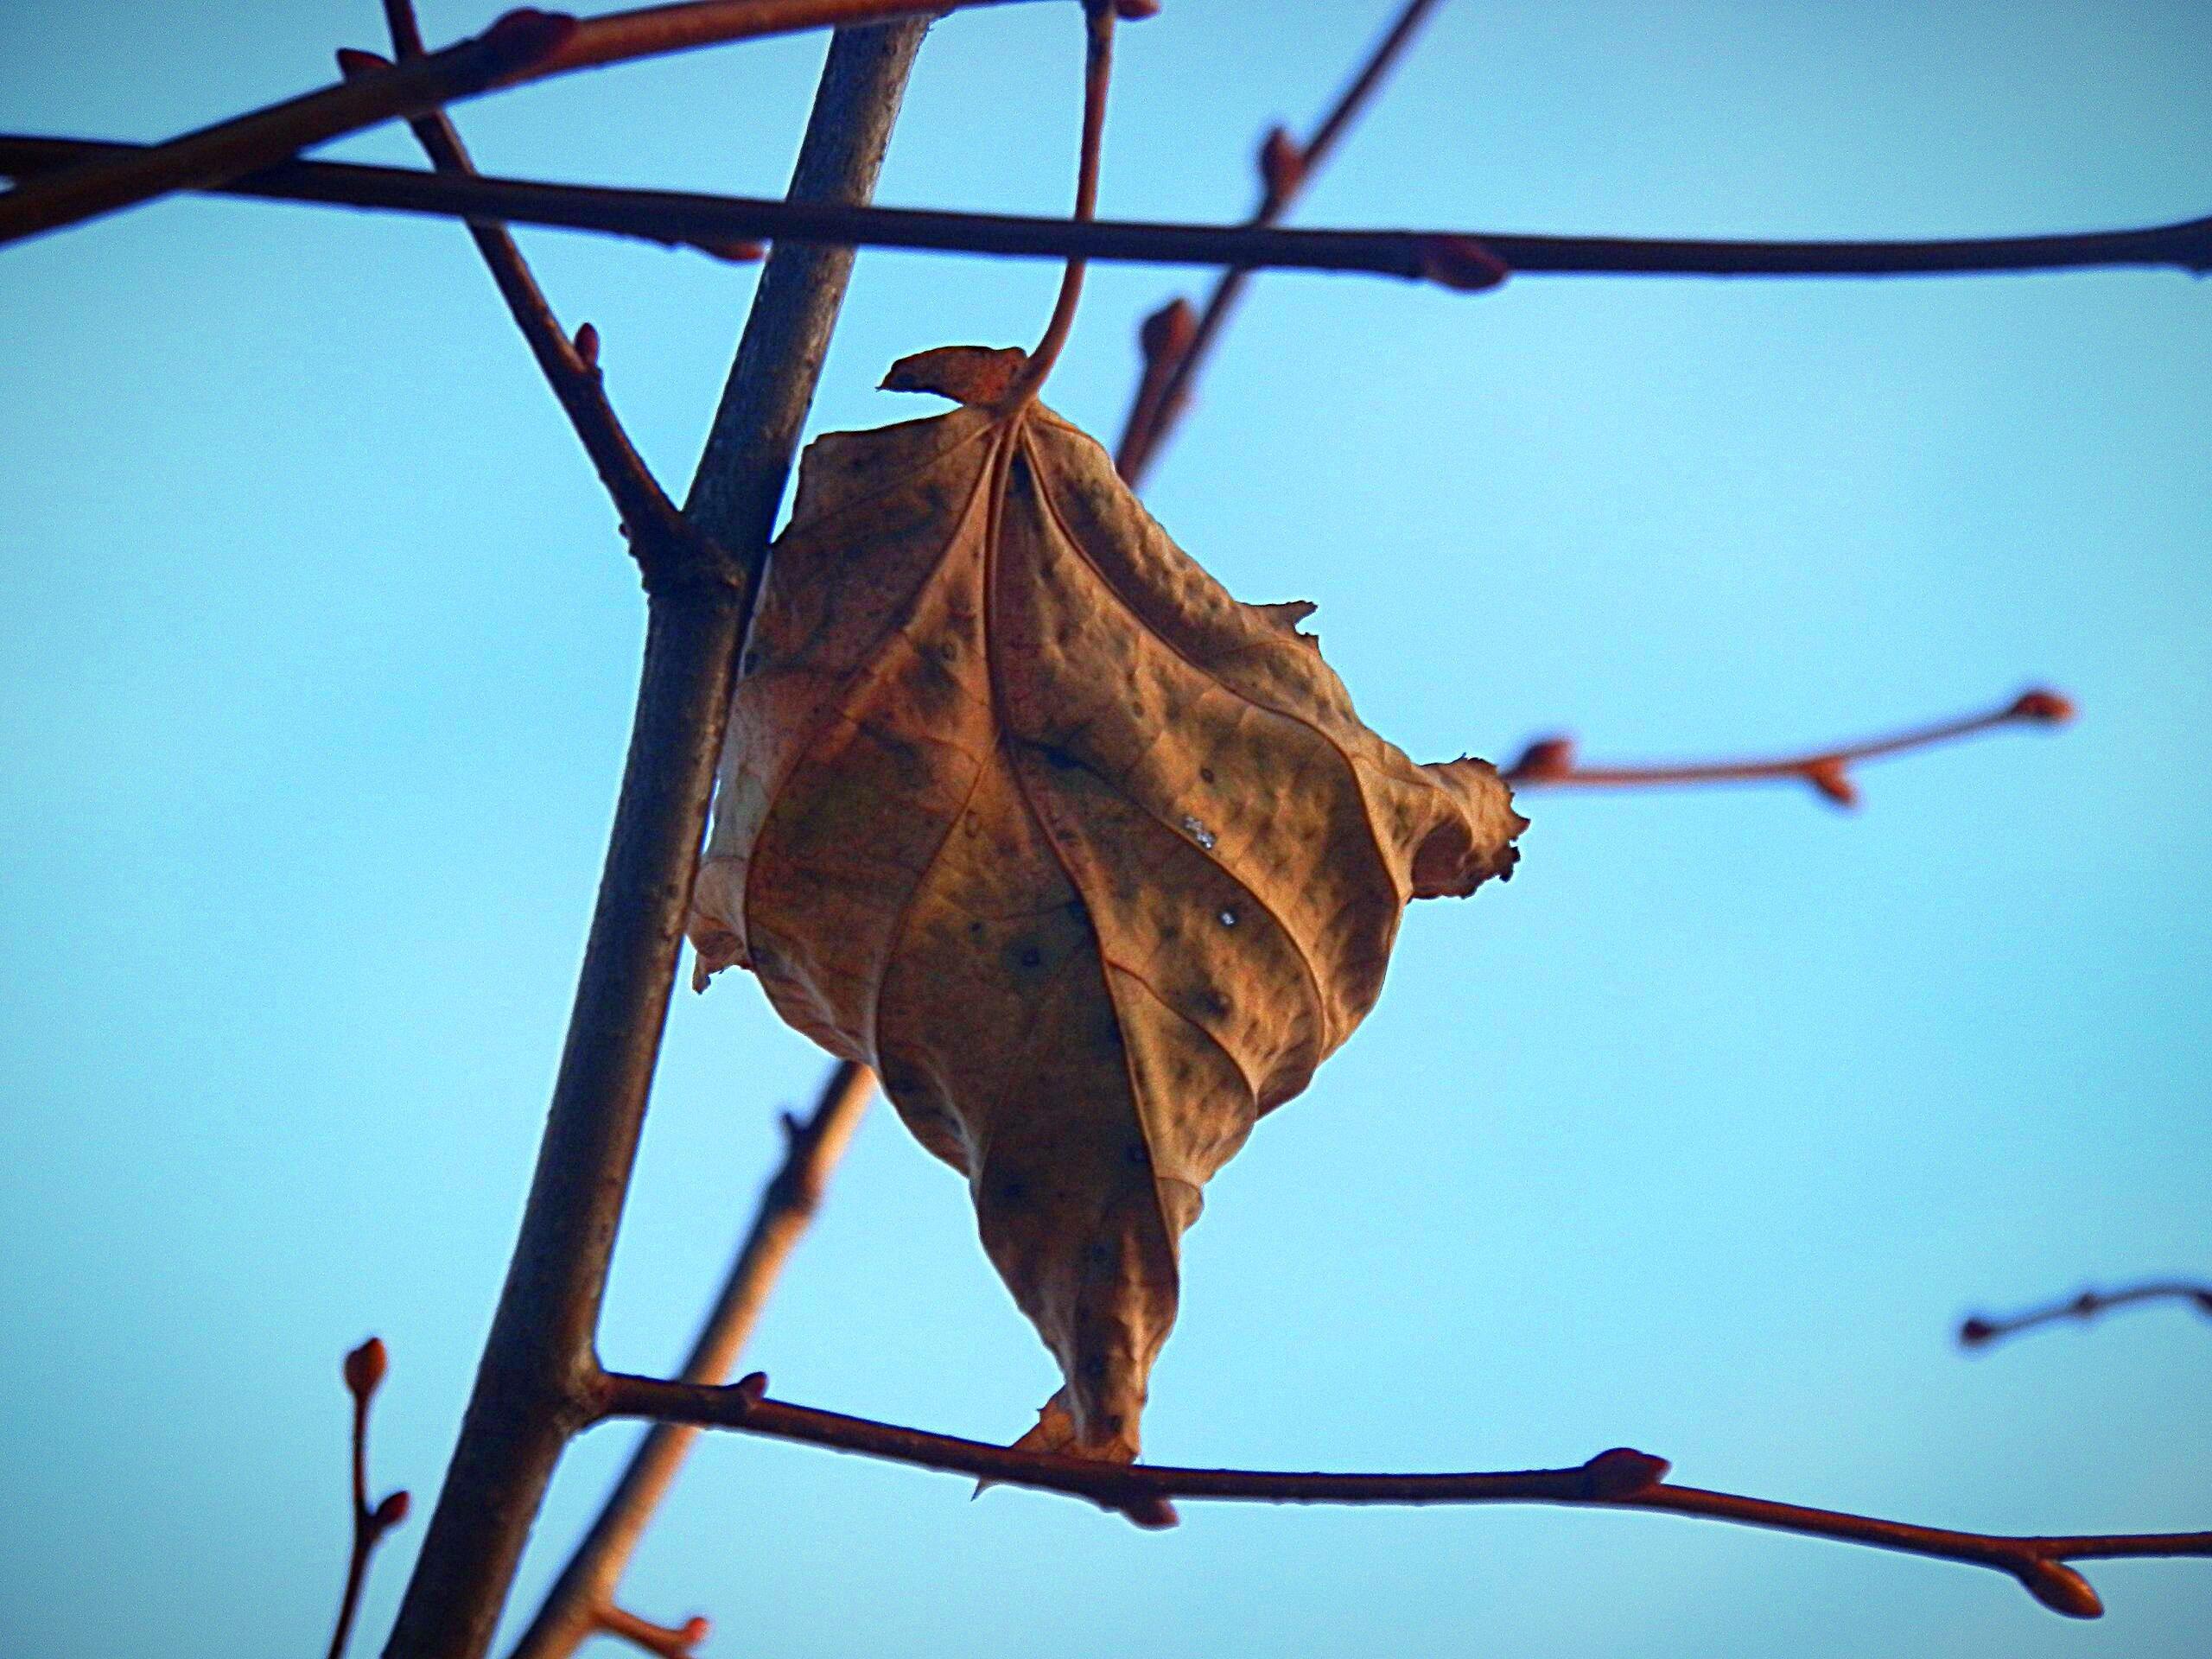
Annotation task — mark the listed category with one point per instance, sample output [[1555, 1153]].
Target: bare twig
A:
[[664, 544], [363, 1371], [583, 1595], [1550, 763], [669, 1641], [525, 45], [1174, 352], [1469, 260], [536, 1383], [1980, 1330], [1619, 1479]]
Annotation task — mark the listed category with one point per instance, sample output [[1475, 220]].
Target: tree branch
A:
[[1464, 260], [662, 540], [583, 1596], [1549, 762], [536, 1382], [1620, 1478], [1174, 346], [522, 46], [1980, 1330]]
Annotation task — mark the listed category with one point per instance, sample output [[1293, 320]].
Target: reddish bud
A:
[[752, 1386], [1828, 775], [733, 250], [2086, 1304], [364, 1368], [391, 1511], [1135, 12], [693, 1632], [1975, 1331], [1543, 762], [524, 37], [587, 345], [1152, 1513], [1169, 332], [2061, 1589], [353, 62], [1282, 165], [2050, 707], [1623, 1471], [1459, 262]]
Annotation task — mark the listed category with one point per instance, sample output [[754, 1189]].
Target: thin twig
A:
[[664, 544], [1980, 1330], [363, 1371], [1467, 260], [1550, 763], [668, 1641], [1164, 390], [522, 46], [535, 1384], [583, 1594], [1617, 1479]]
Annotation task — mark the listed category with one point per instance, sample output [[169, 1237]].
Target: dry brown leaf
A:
[[1093, 863]]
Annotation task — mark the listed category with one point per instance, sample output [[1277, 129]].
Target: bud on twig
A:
[[1282, 168], [353, 62], [364, 1368]]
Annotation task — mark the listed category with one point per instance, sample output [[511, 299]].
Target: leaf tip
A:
[[976, 375]]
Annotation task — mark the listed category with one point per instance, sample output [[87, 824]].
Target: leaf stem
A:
[[1097, 73]]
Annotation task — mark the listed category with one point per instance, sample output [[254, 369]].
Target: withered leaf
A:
[[1093, 863]]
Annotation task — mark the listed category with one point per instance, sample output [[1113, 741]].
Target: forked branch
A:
[[1466, 260], [1980, 1330], [1550, 762], [533, 1386], [1620, 1478]]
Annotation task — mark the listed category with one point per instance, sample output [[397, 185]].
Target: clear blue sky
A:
[[1699, 1137]]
